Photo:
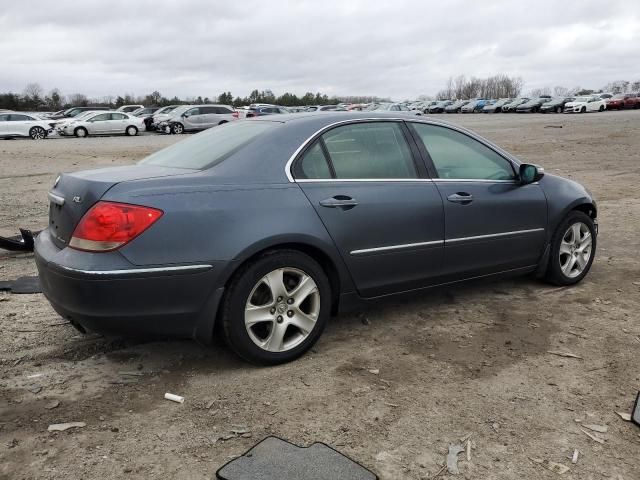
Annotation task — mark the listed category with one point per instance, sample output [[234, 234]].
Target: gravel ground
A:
[[470, 360]]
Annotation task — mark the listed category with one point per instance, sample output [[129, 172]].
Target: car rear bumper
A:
[[171, 300]]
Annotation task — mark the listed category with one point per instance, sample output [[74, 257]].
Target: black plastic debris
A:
[[277, 459], [22, 285], [19, 243]]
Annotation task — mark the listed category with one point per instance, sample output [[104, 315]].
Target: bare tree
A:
[[78, 100], [33, 90], [560, 91]]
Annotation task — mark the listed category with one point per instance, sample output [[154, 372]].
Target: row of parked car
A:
[[542, 104], [177, 119]]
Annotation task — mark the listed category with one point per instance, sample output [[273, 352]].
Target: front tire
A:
[[131, 131], [37, 133], [558, 109], [80, 132], [583, 110], [573, 248], [601, 109], [177, 128], [276, 307]]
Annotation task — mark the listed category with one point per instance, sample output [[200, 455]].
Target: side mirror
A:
[[530, 173]]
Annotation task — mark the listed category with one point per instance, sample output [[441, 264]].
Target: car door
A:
[[191, 119], [385, 217], [492, 222], [99, 124], [118, 123], [4, 124]]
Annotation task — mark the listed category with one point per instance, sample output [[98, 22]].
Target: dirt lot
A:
[[467, 360]]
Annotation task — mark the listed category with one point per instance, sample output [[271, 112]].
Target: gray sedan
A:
[[267, 227]]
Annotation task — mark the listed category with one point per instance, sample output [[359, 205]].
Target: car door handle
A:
[[339, 201], [463, 198]]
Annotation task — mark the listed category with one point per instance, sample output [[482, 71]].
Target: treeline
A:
[[33, 98], [504, 86]]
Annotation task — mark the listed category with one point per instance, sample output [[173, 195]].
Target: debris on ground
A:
[[19, 243], [574, 459], [597, 428], [374, 371], [624, 416], [52, 404], [22, 285], [61, 427], [564, 354], [452, 459], [552, 466], [592, 436], [174, 398]]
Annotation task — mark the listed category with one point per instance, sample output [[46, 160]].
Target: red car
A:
[[623, 100]]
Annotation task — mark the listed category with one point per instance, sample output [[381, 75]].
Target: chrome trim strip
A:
[[472, 180], [440, 242], [493, 235], [57, 199], [342, 180], [396, 247], [134, 271]]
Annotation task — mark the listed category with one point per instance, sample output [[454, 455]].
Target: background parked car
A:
[[533, 105], [511, 106], [129, 108], [158, 117], [145, 111], [623, 100], [104, 123], [585, 104], [17, 124], [265, 110], [474, 105], [321, 108], [395, 107], [193, 118], [439, 106], [556, 104], [59, 125], [455, 106], [72, 112], [495, 106]]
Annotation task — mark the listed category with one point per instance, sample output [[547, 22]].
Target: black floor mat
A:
[[19, 243], [22, 285], [277, 459]]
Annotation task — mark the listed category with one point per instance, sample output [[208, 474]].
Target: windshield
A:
[[166, 109], [620, 95], [209, 147]]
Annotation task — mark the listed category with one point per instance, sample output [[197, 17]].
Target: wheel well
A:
[[588, 209], [318, 255]]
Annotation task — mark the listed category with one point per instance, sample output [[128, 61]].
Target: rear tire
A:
[[256, 287], [37, 133], [601, 109], [131, 131], [564, 245], [558, 109], [81, 132], [223, 122]]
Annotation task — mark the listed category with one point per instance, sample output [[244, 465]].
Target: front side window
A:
[[101, 118], [370, 151], [4, 118], [191, 112], [458, 156], [19, 118]]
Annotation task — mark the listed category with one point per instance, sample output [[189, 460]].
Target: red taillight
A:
[[110, 225], [236, 114]]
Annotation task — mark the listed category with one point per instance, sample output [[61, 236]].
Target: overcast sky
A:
[[398, 48]]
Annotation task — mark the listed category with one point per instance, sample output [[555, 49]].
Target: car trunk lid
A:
[[74, 193]]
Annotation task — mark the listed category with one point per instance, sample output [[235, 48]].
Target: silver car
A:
[[193, 118], [104, 123]]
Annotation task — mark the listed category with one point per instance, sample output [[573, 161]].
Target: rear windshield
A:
[[209, 147]]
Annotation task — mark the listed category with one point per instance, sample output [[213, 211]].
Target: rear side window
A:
[[118, 116], [370, 151], [209, 147], [101, 118], [19, 118], [458, 156], [4, 118], [313, 164]]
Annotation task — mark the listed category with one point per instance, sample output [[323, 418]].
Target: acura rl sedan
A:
[[259, 230]]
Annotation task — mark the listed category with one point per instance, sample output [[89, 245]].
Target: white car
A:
[[585, 104], [59, 125], [104, 123], [16, 124]]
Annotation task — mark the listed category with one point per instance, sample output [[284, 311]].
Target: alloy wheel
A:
[[282, 309], [38, 133], [575, 250]]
